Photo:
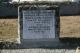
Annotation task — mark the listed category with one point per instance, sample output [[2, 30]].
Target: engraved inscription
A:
[[38, 24]]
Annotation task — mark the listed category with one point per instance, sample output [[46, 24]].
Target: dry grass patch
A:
[[8, 29], [70, 26]]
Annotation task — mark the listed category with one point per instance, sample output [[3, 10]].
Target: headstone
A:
[[38, 25]]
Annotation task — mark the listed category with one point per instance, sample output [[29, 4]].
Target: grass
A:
[[69, 27], [8, 29]]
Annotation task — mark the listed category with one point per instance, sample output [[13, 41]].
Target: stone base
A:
[[49, 43]]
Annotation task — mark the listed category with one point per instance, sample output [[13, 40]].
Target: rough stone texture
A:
[[39, 51]]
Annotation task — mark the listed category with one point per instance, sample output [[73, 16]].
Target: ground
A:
[[69, 27], [8, 29]]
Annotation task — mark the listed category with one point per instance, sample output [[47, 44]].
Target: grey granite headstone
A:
[[38, 27], [38, 24]]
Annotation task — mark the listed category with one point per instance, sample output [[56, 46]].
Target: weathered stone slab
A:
[[38, 24]]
